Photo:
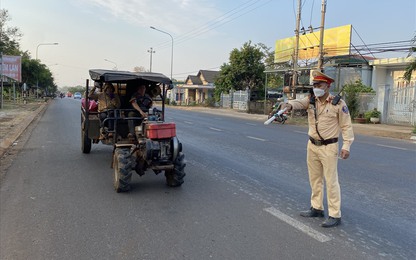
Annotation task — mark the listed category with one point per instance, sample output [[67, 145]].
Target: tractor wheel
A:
[[174, 178], [85, 142], [122, 164]]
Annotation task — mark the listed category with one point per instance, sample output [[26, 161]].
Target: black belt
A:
[[323, 142]]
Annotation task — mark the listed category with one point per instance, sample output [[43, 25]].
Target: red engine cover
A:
[[160, 130]]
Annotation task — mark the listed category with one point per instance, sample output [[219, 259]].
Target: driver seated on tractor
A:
[[141, 103], [107, 99]]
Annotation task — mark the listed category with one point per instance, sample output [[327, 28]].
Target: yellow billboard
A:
[[336, 42]]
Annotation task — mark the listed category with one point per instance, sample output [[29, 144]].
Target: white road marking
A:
[[300, 132], [215, 129], [298, 225], [255, 138], [187, 122], [394, 147]]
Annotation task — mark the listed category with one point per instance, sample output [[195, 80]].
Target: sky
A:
[[110, 34]]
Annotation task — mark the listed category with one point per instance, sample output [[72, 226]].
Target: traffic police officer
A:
[[327, 117]]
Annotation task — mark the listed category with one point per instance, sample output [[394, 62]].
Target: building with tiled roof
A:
[[197, 88]]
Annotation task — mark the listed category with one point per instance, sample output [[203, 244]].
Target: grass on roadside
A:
[[31, 104]]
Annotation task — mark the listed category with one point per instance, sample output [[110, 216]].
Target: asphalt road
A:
[[245, 185]]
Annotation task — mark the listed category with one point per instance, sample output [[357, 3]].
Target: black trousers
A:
[[133, 123], [108, 123]]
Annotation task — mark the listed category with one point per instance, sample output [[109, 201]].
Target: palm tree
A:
[[409, 69]]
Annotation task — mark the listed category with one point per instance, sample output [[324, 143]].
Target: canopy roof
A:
[[116, 76]]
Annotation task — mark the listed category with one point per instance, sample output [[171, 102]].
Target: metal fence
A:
[[236, 100], [402, 105], [225, 101]]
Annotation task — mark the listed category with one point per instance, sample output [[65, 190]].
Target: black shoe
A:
[[331, 222], [312, 213]]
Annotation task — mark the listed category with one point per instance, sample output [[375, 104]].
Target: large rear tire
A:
[[122, 164], [85, 142], [174, 178]]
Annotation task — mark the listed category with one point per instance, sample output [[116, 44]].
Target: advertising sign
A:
[[336, 42], [12, 67]]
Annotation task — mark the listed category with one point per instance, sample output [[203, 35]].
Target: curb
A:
[[8, 141]]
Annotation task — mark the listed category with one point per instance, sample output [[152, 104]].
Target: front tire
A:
[[122, 164], [174, 178]]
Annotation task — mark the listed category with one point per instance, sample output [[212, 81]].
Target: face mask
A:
[[318, 92]]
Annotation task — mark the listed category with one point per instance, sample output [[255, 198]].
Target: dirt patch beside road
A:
[[14, 119]]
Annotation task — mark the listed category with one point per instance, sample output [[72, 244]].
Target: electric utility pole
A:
[[151, 54], [296, 52], [321, 38]]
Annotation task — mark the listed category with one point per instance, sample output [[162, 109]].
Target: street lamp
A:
[[37, 49], [171, 58], [151, 54], [115, 68]]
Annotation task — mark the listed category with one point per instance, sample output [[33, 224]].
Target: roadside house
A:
[[396, 97], [198, 88]]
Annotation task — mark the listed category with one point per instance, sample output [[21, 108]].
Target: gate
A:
[[240, 100], [225, 101], [237, 100], [402, 104]]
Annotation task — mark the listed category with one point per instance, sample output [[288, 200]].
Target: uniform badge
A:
[[345, 109]]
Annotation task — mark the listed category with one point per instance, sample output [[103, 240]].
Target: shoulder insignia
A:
[[345, 109]]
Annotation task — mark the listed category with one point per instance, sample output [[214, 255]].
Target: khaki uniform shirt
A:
[[104, 101], [331, 119]]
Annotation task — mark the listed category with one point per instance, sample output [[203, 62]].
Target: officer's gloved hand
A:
[[344, 154]]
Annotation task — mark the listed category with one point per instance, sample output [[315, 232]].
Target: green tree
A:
[[245, 70], [409, 69], [35, 74], [78, 88], [33, 71], [224, 81], [352, 91], [46, 81], [274, 80], [9, 35], [30, 70]]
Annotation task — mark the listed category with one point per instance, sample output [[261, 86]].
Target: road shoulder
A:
[[15, 121], [379, 130]]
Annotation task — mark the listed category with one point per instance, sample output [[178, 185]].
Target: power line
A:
[[217, 22], [361, 39], [310, 21], [191, 72], [224, 22], [227, 17]]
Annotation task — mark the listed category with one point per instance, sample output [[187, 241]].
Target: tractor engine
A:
[[159, 151], [157, 146]]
